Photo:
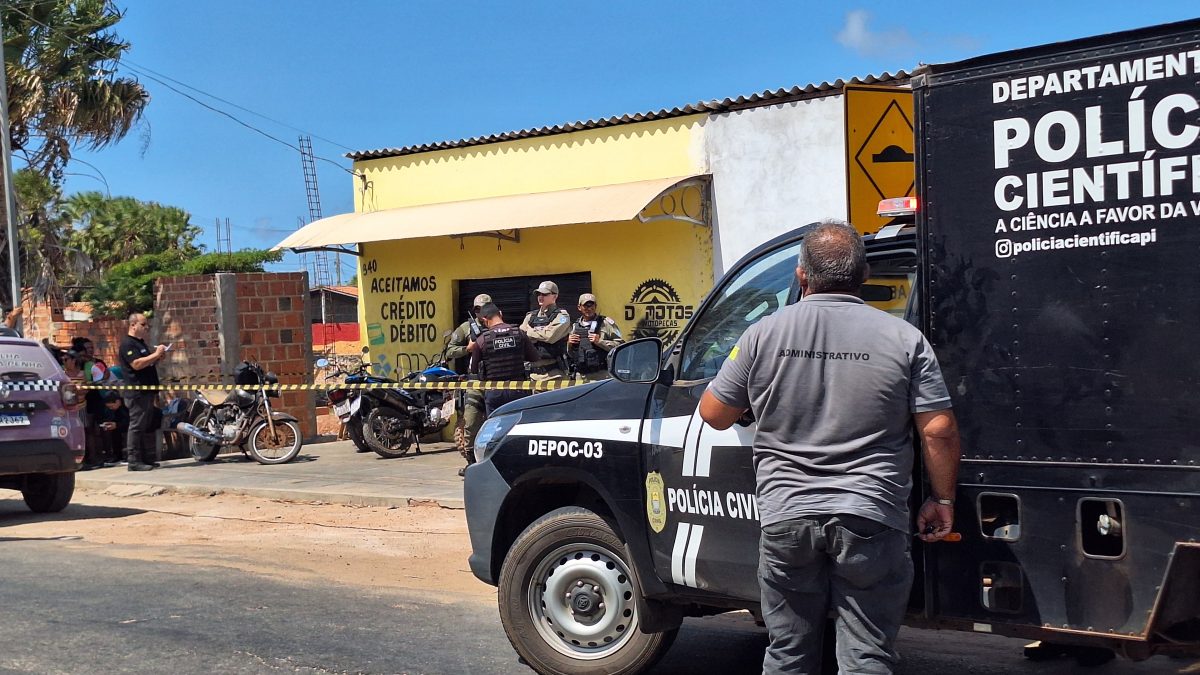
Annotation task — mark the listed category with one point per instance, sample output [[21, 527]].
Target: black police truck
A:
[[1053, 266]]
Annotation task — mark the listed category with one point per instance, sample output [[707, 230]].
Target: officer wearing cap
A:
[[548, 328], [592, 337], [473, 413]]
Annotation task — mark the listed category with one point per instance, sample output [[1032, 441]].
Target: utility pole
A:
[[10, 199]]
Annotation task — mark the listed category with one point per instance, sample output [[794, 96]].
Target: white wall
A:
[[774, 168]]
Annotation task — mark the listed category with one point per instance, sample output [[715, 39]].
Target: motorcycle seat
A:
[[214, 396]]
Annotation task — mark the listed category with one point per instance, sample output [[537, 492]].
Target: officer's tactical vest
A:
[[587, 357], [547, 352], [503, 354]]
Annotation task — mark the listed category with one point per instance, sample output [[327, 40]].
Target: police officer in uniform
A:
[[592, 337], [500, 355], [473, 412], [548, 329]]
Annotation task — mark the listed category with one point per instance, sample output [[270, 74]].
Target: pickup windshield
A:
[[762, 288]]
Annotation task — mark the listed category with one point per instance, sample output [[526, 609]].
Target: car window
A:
[[24, 361], [892, 287], [757, 291]]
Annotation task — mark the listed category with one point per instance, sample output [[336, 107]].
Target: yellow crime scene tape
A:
[[524, 385]]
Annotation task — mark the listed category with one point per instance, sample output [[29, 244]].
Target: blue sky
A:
[[373, 73]]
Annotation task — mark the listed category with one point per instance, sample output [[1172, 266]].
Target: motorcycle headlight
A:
[[492, 432]]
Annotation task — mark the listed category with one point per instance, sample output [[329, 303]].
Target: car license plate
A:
[[10, 420], [342, 409]]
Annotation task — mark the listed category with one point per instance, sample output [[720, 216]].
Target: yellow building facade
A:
[[649, 273], [644, 211]]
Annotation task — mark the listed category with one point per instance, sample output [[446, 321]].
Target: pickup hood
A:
[[604, 400], [555, 397]]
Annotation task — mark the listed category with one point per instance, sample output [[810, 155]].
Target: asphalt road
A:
[[67, 610]]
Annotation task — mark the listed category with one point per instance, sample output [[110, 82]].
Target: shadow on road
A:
[[14, 512], [65, 537], [413, 454]]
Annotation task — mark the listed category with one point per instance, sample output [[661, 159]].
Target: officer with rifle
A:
[[547, 329], [472, 407], [592, 337]]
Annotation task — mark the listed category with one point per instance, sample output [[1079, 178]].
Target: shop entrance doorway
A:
[[514, 295]]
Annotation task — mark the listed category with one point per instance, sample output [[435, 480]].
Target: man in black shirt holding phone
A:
[[138, 360]]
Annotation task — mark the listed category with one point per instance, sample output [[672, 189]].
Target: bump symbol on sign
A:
[[886, 155]]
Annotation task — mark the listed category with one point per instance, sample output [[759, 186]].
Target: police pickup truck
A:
[[1052, 265]]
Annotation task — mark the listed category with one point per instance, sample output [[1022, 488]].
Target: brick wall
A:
[[185, 316], [44, 321], [273, 329]]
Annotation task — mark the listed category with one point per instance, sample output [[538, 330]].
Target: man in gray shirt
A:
[[837, 388]]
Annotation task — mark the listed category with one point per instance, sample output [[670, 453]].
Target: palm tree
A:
[[60, 59]]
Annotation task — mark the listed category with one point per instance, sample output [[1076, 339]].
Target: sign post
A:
[[879, 151]]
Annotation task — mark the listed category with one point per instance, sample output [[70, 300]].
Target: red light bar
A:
[[897, 206]]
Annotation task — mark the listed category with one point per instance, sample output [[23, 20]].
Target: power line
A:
[[149, 74], [239, 107]]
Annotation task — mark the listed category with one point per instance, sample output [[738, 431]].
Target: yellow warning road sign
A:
[[879, 151]]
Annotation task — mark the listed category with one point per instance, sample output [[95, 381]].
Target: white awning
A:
[[599, 204]]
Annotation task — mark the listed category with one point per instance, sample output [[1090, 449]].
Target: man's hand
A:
[[934, 521], [573, 339], [594, 337]]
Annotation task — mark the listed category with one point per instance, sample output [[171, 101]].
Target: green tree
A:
[[47, 258], [111, 230], [129, 286], [61, 59]]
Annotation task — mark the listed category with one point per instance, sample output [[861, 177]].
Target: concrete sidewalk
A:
[[325, 472]]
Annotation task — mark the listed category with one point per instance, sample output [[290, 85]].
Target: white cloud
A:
[[856, 34]]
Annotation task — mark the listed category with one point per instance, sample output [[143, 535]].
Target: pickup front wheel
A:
[[568, 601]]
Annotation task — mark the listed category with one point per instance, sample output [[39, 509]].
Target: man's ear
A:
[[866, 272], [802, 278]]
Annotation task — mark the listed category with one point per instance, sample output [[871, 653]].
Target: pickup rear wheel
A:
[[48, 492], [568, 601]]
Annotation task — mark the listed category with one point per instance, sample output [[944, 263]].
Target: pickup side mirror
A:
[[636, 361]]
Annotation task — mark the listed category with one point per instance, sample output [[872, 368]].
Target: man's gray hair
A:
[[834, 258]]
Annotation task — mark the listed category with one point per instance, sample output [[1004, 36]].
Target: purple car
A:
[[41, 432]]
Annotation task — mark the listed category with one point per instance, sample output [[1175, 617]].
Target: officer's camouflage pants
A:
[[473, 418]]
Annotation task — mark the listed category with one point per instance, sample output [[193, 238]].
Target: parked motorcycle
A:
[[392, 430], [348, 403], [243, 418]]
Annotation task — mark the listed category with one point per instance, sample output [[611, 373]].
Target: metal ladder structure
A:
[[319, 271]]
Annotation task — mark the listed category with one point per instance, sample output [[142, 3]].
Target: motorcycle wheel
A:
[[201, 451], [283, 448], [387, 433], [354, 429]]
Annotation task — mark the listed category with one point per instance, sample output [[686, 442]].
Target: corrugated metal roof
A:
[[768, 97]]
